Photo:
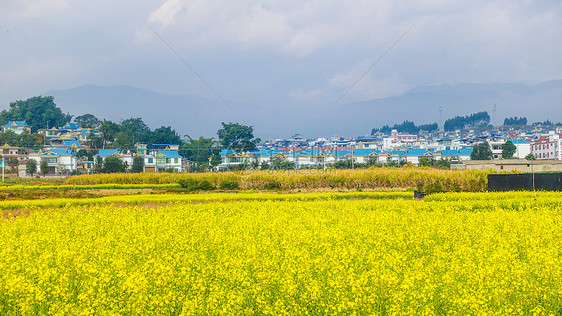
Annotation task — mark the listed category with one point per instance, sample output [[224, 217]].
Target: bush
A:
[[191, 184], [229, 184]]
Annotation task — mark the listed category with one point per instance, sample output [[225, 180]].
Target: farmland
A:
[[281, 253]]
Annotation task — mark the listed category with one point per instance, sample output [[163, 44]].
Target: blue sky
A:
[[302, 55]]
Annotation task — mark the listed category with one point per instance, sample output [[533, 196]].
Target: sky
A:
[[296, 55]]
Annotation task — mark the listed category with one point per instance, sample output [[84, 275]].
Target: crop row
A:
[[158, 199], [433, 179]]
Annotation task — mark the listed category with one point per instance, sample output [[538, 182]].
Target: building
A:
[[18, 127]]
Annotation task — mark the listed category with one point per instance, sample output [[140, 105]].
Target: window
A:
[[160, 161], [175, 160], [150, 160]]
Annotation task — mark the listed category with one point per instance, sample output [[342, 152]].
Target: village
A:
[[64, 151]]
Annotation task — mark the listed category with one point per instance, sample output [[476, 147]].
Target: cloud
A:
[[166, 14]]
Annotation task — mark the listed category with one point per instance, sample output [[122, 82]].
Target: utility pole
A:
[[440, 118]]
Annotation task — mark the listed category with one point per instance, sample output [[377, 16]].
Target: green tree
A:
[[138, 164], [425, 162], [98, 165], [31, 167], [38, 112], [87, 121], [482, 151], [530, 157], [198, 151], [237, 137], [215, 158], [108, 131], [165, 135], [508, 150], [113, 164], [44, 167]]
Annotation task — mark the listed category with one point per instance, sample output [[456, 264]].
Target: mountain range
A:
[[199, 116]]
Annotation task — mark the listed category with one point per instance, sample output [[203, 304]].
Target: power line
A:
[[363, 76], [197, 74]]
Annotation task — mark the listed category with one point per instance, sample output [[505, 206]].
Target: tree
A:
[[87, 121], [31, 167], [198, 151], [482, 151], [425, 162], [138, 164], [165, 135], [38, 112], [508, 150], [515, 121], [44, 167], [108, 131], [530, 157], [113, 164], [237, 137], [98, 165], [463, 122]]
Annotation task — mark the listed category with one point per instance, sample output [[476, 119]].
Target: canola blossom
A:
[[286, 257]]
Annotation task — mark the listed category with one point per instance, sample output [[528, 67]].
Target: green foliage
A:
[[98, 165], [279, 163], [264, 165], [44, 167], [530, 157], [87, 121], [508, 150], [38, 112], [113, 164], [138, 164], [229, 184], [406, 127], [425, 162], [193, 184], [25, 139], [482, 151], [515, 121], [31, 167], [165, 135], [237, 137], [199, 151], [463, 122]]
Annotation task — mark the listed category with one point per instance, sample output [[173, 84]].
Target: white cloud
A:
[[166, 14]]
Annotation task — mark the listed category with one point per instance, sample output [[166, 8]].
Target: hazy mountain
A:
[[198, 116], [421, 104]]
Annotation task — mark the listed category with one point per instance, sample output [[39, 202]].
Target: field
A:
[[272, 253]]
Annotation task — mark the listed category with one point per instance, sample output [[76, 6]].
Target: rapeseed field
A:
[[470, 254]]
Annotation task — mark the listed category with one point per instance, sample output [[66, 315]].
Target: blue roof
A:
[[465, 151], [86, 131], [17, 124], [71, 126], [449, 153], [415, 152], [70, 143], [107, 152], [518, 140], [169, 153]]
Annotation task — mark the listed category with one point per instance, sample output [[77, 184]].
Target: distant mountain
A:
[[421, 104], [185, 113], [198, 116]]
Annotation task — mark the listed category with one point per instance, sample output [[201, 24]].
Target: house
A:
[[547, 147], [60, 161], [17, 127], [127, 158]]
